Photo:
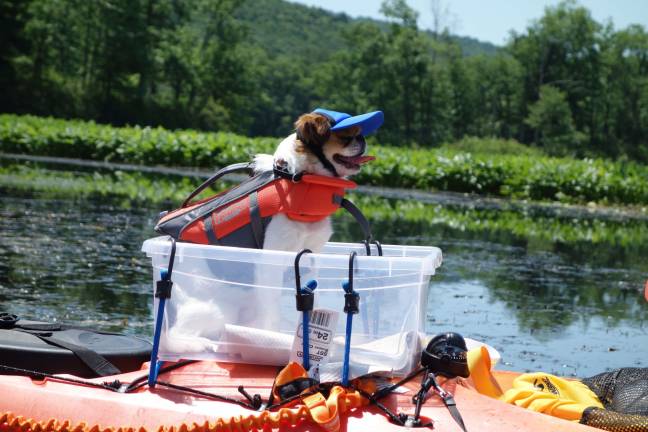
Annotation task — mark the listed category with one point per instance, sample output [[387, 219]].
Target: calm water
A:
[[575, 310]]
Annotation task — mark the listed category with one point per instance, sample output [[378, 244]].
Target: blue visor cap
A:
[[368, 122]]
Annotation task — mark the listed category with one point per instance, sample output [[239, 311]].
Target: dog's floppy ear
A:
[[313, 128]]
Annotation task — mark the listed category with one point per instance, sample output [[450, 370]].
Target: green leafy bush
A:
[[504, 173], [491, 146]]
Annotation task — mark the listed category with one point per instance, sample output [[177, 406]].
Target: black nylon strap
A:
[[209, 229], [281, 173], [52, 327], [450, 403], [322, 158], [243, 166], [430, 382], [255, 219], [95, 361], [319, 153], [44, 327], [358, 216]]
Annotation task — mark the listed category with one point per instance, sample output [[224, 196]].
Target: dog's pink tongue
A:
[[361, 159]]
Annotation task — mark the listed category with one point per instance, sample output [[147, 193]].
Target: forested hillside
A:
[[568, 83], [314, 34]]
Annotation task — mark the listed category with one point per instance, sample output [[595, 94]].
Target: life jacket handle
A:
[[243, 166]]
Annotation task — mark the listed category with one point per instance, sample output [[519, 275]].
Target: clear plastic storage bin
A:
[[238, 305]]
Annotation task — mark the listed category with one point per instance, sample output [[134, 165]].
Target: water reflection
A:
[[574, 309], [75, 261], [569, 309]]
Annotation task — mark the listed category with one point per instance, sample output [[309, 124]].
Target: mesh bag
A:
[[614, 421], [624, 394]]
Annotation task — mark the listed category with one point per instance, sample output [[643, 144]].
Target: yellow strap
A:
[[479, 364]]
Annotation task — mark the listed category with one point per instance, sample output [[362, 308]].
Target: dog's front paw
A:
[[263, 162]]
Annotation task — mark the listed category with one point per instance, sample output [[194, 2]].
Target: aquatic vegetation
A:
[[389, 216], [503, 225], [512, 174]]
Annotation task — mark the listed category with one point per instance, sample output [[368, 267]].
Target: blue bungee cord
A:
[[351, 307], [307, 291], [162, 292], [304, 299]]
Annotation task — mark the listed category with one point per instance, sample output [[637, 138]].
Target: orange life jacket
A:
[[239, 216]]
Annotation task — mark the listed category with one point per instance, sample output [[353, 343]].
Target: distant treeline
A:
[[568, 84]]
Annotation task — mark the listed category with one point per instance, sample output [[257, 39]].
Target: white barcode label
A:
[[321, 330], [320, 317]]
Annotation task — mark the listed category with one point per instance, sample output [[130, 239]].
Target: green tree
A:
[[392, 70], [624, 126], [406, 63], [282, 88], [206, 68], [562, 49], [497, 97], [551, 118], [13, 15]]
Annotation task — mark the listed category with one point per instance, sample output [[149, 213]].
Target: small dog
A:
[[316, 147], [326, 143]]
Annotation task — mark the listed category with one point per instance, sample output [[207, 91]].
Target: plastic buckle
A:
[[296, 178], [163, 289]]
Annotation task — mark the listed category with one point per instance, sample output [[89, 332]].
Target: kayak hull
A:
[[50, 404]]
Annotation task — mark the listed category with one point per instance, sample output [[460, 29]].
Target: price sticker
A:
[[321, 330]]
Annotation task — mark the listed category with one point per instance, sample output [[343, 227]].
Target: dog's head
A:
[[329, 152]]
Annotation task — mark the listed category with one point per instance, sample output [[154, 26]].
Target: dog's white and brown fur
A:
[[344, 149]]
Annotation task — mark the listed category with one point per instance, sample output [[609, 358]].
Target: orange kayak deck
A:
[[26, 404]]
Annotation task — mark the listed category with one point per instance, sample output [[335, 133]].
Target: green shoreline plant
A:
[[525, 176], [136, 189]]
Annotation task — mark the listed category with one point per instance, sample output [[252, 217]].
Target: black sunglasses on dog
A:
[[347, 139]]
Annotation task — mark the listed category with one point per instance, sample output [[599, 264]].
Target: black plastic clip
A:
[[351, 302], [305, 299], [351, 297], [255, 401], [163, 288]]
